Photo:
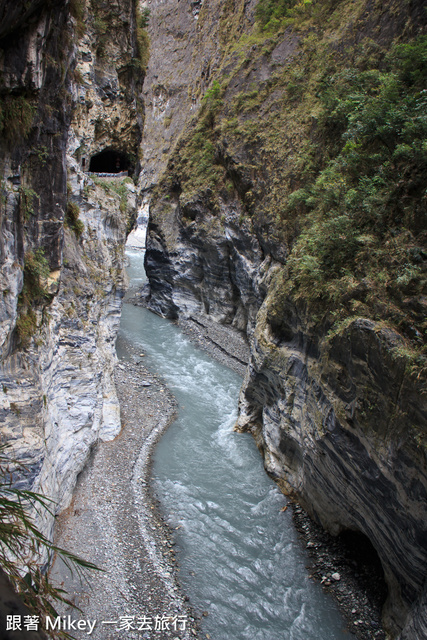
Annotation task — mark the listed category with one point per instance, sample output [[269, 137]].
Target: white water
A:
[[240, 557]]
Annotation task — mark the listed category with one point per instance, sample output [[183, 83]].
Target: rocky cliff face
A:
[[184, 55], [334, 390], [66, 95], [339, 423], [210, 264]]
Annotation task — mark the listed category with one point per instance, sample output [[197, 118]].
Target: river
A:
[[240, 558]]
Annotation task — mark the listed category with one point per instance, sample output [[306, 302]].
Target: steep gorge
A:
[[248, 146], [291, 208]]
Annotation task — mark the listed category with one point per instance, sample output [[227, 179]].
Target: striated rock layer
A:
[[65, 95], [337, 423], [337, 409]]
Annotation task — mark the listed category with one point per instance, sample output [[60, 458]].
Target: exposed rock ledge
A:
[[338, 430]]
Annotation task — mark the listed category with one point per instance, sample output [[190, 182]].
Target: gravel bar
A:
[[115, 521]]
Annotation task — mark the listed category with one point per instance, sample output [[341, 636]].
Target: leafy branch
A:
[[22, 545]]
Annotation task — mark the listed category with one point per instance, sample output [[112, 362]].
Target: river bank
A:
[[115, 522]]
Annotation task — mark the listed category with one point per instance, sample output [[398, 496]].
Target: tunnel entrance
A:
[[110, 161], [361, 555]]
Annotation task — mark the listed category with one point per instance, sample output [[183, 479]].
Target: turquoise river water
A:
[[240, 557]]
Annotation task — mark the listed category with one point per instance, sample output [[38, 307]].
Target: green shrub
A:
[[365, 212], [113, 186], [22, 545], [268, 13], [144, 16], [211, 103], [26, 326], [16, 117], [411, 62], [36, 270], [143, 44], [77, 10], [72, 218], [101, 34], [26, 202]]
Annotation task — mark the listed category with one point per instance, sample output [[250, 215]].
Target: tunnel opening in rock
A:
[[366, 564], [110, 161]]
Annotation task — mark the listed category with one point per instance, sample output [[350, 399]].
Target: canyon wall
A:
[[283, 156], [286, 208], [68, 91]]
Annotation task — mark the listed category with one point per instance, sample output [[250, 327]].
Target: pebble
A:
[[337, 573], [125, 548]]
